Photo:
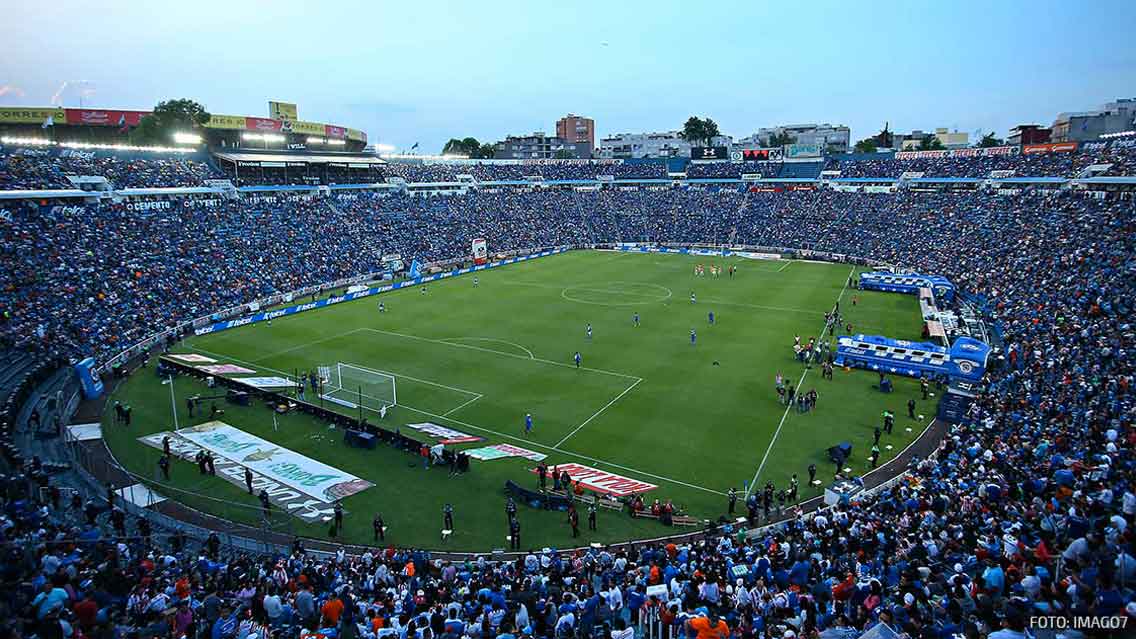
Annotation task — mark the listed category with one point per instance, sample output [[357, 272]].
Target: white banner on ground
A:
[[192, 358], [290, 501], [266, 382], [444, 434], [290, 468]]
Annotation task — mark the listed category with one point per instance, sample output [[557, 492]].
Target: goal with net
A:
[[354, 386]]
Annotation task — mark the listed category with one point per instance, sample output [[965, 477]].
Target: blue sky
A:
[[425, 71]]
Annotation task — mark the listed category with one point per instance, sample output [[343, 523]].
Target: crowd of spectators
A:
[[1050, 164], [35, 168], [1026, 510], [548, 170]]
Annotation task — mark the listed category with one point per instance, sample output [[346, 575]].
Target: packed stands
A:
[[1026, 510], [37, 168]]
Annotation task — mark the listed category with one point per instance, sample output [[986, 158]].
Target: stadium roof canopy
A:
[[338, 158]]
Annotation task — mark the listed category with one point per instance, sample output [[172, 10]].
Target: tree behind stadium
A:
[[168, 118]]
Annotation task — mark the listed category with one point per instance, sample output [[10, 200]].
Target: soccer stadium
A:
[[269, 377]]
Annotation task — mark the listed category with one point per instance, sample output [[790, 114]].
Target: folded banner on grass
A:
[[497, 451], [290, 468], [192, 358], [224, 369], [266, 382], [604, 482], [444, 435], [288, 500]]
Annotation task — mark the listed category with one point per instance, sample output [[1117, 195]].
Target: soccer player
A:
[[635, 318], [693, 337], [710, 317], [423, 289], [475, 281], [588, 331], [528, 423], [577, 358], [692, 297], [382, 307]]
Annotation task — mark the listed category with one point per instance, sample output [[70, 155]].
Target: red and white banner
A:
[[336, 132], [262, 124], [604, 482], [104, 117], [957, 153], [1054, 147], [480, 251]]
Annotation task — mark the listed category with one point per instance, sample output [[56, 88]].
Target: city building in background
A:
[[949, 139], [540, 146], [833, 138], [1115, 117], [661, 144], [577, 129], [1029, 134]]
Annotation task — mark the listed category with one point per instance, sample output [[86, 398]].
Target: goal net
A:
[[353, 386]]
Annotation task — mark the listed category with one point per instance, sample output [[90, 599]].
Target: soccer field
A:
[[646, 403]]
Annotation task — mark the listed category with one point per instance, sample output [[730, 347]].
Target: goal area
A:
[[356, 386]]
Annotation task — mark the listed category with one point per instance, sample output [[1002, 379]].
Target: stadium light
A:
[[27, 141], [337, 142], [315, 140], [187, 138], [266, 137], [384, 147]]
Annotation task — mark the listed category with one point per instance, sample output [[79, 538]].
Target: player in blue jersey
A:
[[693, 337], [710, 317], [528, 423], [588, 331], [635, 318], [578, 359]]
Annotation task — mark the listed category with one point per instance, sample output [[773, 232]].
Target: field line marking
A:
[[307, 344], [489, 339], [597, 413], [461, 406], [533, 444], [785, 266], [503, 353], [785, 415], [765, 308], [524, 440], [593, 289]]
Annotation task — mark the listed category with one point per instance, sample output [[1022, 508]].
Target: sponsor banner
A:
[[1104, 145], [356, 134], [517, 451], [758, 155], [291, 501], [802, 150], [282, 111], [1001, 174], [266, 382], [307, 128], [25, 115], [290, 468], [104, 117], [910, 175], [226, 122], [1054, 147], [709, 153], [601, 481], [336, 299], [333, 131], [444, 435], [487, 453], [958, 153], [479, 250], [262, 124], [192, 358], [224, 369]]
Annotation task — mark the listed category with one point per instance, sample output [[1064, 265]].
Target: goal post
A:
[[353, 385]]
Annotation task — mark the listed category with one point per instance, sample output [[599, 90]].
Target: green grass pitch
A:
[[646, 404]]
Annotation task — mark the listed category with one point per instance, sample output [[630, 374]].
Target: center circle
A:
[[609, 293]]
